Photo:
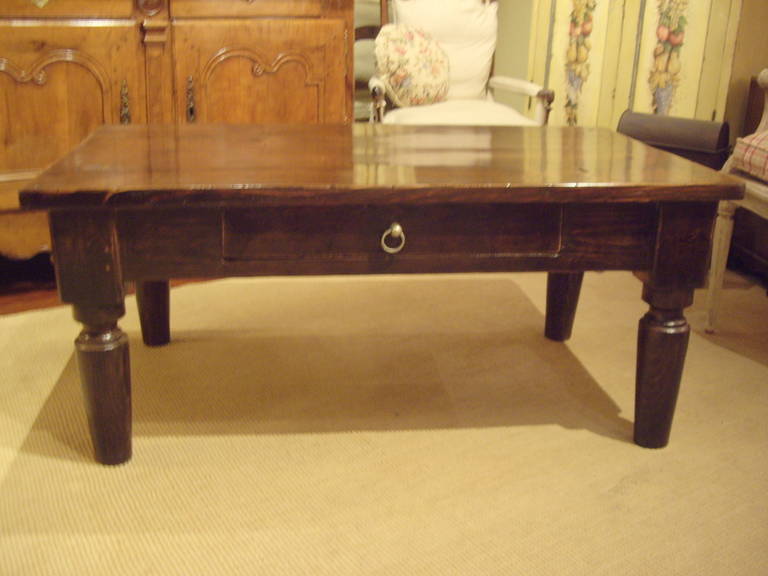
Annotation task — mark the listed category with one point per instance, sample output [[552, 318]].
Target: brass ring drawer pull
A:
[[395, 231]]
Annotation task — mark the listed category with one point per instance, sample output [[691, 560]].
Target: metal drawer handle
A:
[[395, 231]]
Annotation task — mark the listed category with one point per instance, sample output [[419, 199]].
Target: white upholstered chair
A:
[[755, 200], [466, 33]]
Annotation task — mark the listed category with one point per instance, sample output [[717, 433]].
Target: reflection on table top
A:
[[129, 165]]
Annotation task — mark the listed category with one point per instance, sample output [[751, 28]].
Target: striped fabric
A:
[[751, 155]]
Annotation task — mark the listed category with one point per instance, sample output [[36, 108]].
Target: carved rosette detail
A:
[[37, 74], [258, 67], [150, 7]]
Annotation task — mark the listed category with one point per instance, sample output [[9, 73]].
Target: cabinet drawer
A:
[[66, 8], [355, 232], [225, 8]]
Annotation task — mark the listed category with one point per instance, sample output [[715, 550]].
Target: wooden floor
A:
[[30, 285], [23, 300], [27, 285], [23, 297]]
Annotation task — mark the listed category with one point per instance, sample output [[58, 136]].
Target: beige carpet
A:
[[394, 425]]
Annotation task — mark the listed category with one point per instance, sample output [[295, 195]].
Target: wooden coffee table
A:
[[152, 203]]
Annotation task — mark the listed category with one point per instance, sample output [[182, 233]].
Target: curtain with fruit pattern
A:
[[602, 57], [577, 55], [670, 34]]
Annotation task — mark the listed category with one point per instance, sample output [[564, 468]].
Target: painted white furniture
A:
[[755, 200], [467, 31]]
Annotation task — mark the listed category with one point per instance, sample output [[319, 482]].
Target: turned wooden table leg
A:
[[103, 361], [562, 297], [661, 346], [153, 298], [89, 276]]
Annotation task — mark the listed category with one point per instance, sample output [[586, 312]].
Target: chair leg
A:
[[720, 247]]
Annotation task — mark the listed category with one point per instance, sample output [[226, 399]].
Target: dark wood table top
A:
[[367, 164]]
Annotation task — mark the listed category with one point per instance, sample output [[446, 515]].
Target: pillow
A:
[[412, 65], [750, 155], [466, 30]]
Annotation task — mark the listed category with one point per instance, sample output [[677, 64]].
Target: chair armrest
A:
[[544, 97], [378, 96], [516, 85], [702, 141]]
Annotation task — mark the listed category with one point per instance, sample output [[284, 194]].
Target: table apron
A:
[[233, 241]]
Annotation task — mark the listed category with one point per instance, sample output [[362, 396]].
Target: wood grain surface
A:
[[363, 164]]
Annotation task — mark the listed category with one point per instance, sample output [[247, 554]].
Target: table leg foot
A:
[[562, 297], [153, 298], [104, 364], [661, 347]]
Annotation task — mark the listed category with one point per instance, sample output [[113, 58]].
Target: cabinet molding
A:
[[37, 72], [260, 66], [269, 70]]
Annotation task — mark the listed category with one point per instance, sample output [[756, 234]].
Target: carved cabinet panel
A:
[[67, 66], [261, 71], [59, 82]]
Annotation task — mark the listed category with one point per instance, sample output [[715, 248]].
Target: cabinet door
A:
[[58, 82], [261, 71]]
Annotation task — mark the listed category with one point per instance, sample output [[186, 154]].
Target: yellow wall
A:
[[513, 44]]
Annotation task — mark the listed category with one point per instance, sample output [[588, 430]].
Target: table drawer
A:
[[245, 8], [357, 232]]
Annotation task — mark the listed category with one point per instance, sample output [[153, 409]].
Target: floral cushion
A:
[[750, 155], [412, 65]]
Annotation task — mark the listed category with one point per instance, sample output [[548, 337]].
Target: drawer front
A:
[[225, 8], [66, 8], [356, 232]]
